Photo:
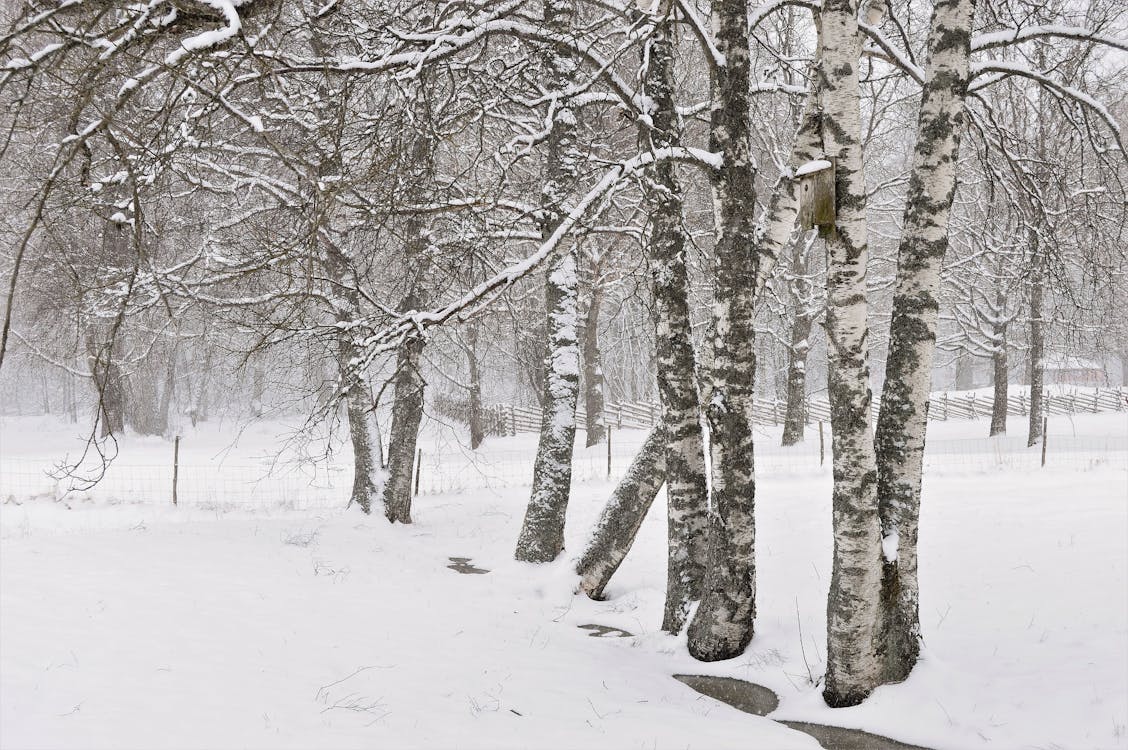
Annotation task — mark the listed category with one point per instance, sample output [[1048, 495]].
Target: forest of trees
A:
[[348, 210]]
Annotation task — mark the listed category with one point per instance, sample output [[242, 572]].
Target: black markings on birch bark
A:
[[852, 605], [686, 486], [623, 515], [722, 625], [542, 533], [901, 427]]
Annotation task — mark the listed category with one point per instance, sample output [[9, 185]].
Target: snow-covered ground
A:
[[127, 623]]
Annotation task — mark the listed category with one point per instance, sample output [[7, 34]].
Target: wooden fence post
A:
[[822, 448], [418, 468], [608, 451], [1045, 424], [175, 466]]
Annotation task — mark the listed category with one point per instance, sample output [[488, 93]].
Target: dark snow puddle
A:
[[603, 631], [839, 738], [745, 696], [760, 701], [464, 566]]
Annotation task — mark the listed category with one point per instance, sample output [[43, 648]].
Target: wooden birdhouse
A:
[[816, 194]]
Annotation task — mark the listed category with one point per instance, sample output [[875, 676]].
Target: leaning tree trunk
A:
[[722, 625], [542, 533], [795, 415], [1000, 370], [686, 485], [1037, 345], [852, 605], [593, 365], [903, 420], [623, 515]]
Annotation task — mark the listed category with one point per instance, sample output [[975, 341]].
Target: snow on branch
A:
[[1003, 69], [416, 321], [1005, 37]]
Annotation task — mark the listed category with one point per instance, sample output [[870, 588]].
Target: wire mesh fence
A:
[[314, 485]]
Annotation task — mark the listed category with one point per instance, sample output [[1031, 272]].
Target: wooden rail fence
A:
[[509, 419]]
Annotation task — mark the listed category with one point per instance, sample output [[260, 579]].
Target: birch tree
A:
[[542, 533], [899, 440], [686, 493], [853, 669]]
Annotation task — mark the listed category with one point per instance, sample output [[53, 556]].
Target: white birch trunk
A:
[[852, 606], [723, 623], [623, 515], [542, 533], [686, 484], [901, 427]]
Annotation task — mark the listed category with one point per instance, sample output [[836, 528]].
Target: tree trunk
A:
[[407, 396], [477, 431], [723, 623], [965, 372], [202, 403], [167, 391], [903, 421], [623, 515], [1037, 345], [367, 474], [1000, 371], [852, 605], [684, 452], [795, 416], [593, 366], [542, 533], [109, 381], [258, 386]]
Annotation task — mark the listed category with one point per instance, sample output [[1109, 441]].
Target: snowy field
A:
[[277, 619]]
